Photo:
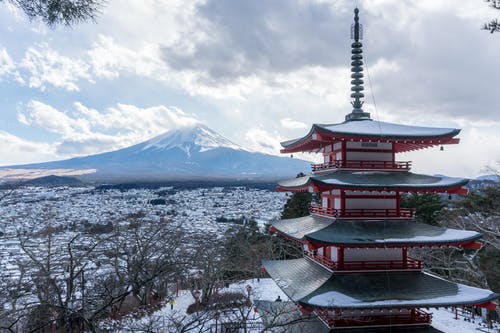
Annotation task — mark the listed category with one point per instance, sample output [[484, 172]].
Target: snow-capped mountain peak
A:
[[198, 138]]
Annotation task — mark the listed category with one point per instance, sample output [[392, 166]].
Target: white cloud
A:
[[8, 66], [108, 59], [260, 140], [85, 130], [292, 124], [6, 62], [15, 150], [51, 119], [47, 66]]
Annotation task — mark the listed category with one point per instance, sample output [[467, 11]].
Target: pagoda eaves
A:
[[309, 284], [376, 233], [404, 137], [376, 181]]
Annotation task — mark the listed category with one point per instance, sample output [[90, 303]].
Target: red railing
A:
[[322, 260], [366, 265], [370, 318], [363, 213], [381, 265], [338, 164]]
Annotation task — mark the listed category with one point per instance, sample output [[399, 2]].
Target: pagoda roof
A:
[[406, 137], [374, 180], [371, 233], [309, 284]]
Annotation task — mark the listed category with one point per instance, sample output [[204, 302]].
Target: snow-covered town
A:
[[28, 210]]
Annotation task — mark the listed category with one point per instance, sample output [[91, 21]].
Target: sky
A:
[[258, 72]]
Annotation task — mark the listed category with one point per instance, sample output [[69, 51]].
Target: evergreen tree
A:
[[427, 206], [297, 205]]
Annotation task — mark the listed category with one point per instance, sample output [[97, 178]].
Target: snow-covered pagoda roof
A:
[[310, 284], [374, 180], [405, 137], [371, 233]]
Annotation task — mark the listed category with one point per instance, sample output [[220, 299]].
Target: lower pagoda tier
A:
[[317, 289], [372, 233], [375, 181]]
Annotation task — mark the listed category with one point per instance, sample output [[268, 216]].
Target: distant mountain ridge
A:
[[189, 152]]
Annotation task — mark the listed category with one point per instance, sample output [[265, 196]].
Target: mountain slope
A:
[[188, 152]]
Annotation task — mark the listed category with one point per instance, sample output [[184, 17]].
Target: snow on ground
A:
[[266, 289], [444, 320]]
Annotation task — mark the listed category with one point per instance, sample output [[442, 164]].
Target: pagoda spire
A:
[[357, 72]]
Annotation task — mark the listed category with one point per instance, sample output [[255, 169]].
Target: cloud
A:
[[292, 124], [51, 119], [247, 37], [6, 62], [261, 140], [84, 130], [15, 150], [8, 67], [47, 66], [107, 59]]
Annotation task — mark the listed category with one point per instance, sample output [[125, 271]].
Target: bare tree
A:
[[146, 256], [53, 12], [493, 25]]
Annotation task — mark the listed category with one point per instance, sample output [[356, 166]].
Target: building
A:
[[356, 272]]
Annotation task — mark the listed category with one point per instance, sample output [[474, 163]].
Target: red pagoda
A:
[[356, 272]]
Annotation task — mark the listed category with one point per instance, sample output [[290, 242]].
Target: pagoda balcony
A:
[[367, 265], [363, 213], [374, 318], [377, 165]]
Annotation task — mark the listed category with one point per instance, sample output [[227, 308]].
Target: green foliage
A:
[[428, 206], [485, 201], [297, 205]]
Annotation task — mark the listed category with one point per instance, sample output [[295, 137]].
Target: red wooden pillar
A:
[[340, 257], [393, 154], [344, 153], [342, 202], [398, 203], [405, 257]]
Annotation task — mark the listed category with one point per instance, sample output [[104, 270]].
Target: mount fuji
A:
[[186, 153]]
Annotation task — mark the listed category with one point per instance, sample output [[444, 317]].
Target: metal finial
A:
[[357, 71]]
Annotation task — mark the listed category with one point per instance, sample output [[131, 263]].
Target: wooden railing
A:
[[371, 318], [322, 260], [363, 213], [366, 265], [339, 164]]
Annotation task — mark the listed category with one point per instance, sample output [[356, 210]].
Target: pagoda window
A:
[[370, 203], [337, 203], [375, 146], [369, 151], [368, 156], [373, 254], [324, 202], [331, 253]]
